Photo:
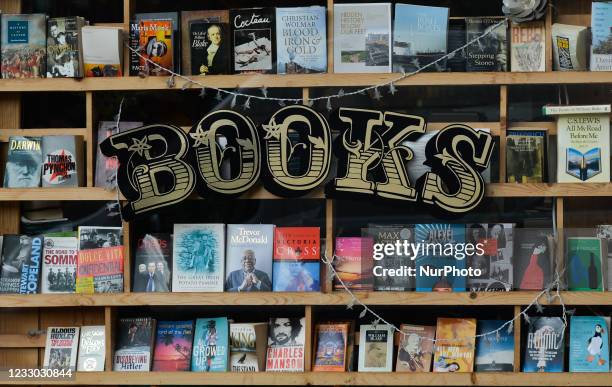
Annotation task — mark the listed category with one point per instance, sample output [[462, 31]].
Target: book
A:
[[249, 257], [211, 345], [99, 260], [362, 38], [420, 38], [569, 47], [152, 263], [490, 52], [253, 40], [353, 263], [102, 51], [174, 18], [173, 346], [30, 268], [456, 39], [383, 234], [432, 263], [415, 348], [494, 351], [64, 55], [585, 264], [589, 344], [61, 348], [375, 348], [601, 36], [23, 162], [526, 155], [156, 44], [24, 41], [301, 40], [15, 254], [248, 343], [198, 262], [63, 163], [330, 347], [134, 345], [187, 17], [604, 232], [528, 46], [495, 264], [533, 258], [575, 109], [545, 345], [286, 341], [296, 265], [59, 264], [92, 348], [454, 350], [210, 47], [106, 167]]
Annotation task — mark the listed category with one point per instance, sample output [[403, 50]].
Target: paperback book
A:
[[589, 348], [253, 40], [330, 347], [61, 348], [100, 260], [528, 46], [16, 251], [102, 51], [455, 349], [416, 348], [545, 345], [495, 264], [59, 264], [353, 263], [63, 164], [210, 47], [249, 257], [23, 162], [570, 47], [585, 263], [106, 167], [375, 348], [601, 35], [456, 39], [133, 350], [390, 234], [152, 263], [525, 156], [173, 346], [490, 52], [64, 55], [211, 345], [286, 340], [24, 41], [494, 351], [604, 232], [156, 43], [92, 348], [248, 343], [533, 261], [220, 17], [296, 259], [30, 268], [135, 40]]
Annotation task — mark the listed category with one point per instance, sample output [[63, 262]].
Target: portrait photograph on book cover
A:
[[209, 47]]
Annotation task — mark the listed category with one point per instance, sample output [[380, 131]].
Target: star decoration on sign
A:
[[139, 146], [272, 130], [200, 136]]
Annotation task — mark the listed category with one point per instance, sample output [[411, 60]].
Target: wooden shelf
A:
[[80, 193]]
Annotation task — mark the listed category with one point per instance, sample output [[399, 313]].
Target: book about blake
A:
[[589, 344], [495, 351], [545, 345]]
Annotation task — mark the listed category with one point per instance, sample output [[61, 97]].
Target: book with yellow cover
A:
[[455, 341]]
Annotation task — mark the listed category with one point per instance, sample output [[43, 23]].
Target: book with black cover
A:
[[253, 40]]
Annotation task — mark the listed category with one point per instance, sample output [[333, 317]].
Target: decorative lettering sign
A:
[[224, 154]]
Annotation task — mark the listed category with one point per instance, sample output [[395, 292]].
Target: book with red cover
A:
[[100, 260], [353, 263], [297, 251]]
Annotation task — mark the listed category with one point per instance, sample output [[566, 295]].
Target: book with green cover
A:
[[584, 260]]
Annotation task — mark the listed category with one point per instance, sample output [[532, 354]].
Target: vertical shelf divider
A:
[[109, 324], [309, 329], [91, 138]]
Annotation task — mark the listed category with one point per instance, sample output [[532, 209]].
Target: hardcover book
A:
[[296, 259], [210, 47], [589, 344], [375, 348], [353, 263], [490, 52], [585, 263], [330, 347], [64, 56], [102, 51], [249, 257], [248, 343], [494, 351], [525, 156], [286, 340], [570, 51], [156, 44], [207, 16], [92, 348], [106, 167], [420, 38], [198, 258], [173, 346], [253, 40], [604, 232], [601, 31], [390, 234], [495, 264], [61, 348], [533, 260], [211, 345], [16, 251], [152, 263], [362, 38], [24, 42], [23, 163], [135, 30], [455, 349], [30, 268], [63, 163], [545, 345], [301, 40], [59, 264], [100, 260], [134, 347], [528, 46], [415, 348]]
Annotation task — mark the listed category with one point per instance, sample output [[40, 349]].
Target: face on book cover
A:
[[21, 172], [285, 330]]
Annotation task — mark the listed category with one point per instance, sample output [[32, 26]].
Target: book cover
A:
[[533, 259], [416, 348], [420, 38], [330, 347], [198, 263], [601, 35], [102, 51], [528, 46], [296, 264], [248, 343], [59, 265], [30, 268], [454, 350], [173, 346], [490, 52], [23, 162], [433, 264], [211, 345], [301, 40], [456, 39], [174, 17], [383, 234], [362, 38], [585, 264], [570, 51], [64, 56], [134, 345], [575, 109], [375, 348], [63, 164], [92, 348], [24, 46], [525, 155], [249, 257], [156, 45], [589, 344], [61, 348], [583, 148], [353, 263], [152, 263], [187, 17], [106, 167], [494, 351], [495, 264], [604, 232], [253, 40], [16, 251], [209, 44], [545, 345], [99, 260], [286, 340]]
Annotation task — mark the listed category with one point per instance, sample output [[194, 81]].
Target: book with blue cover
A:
[[301, 40], [545, 345], [601, 33], [211, 345], [495, 351], [589, 344], [173, 346]]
